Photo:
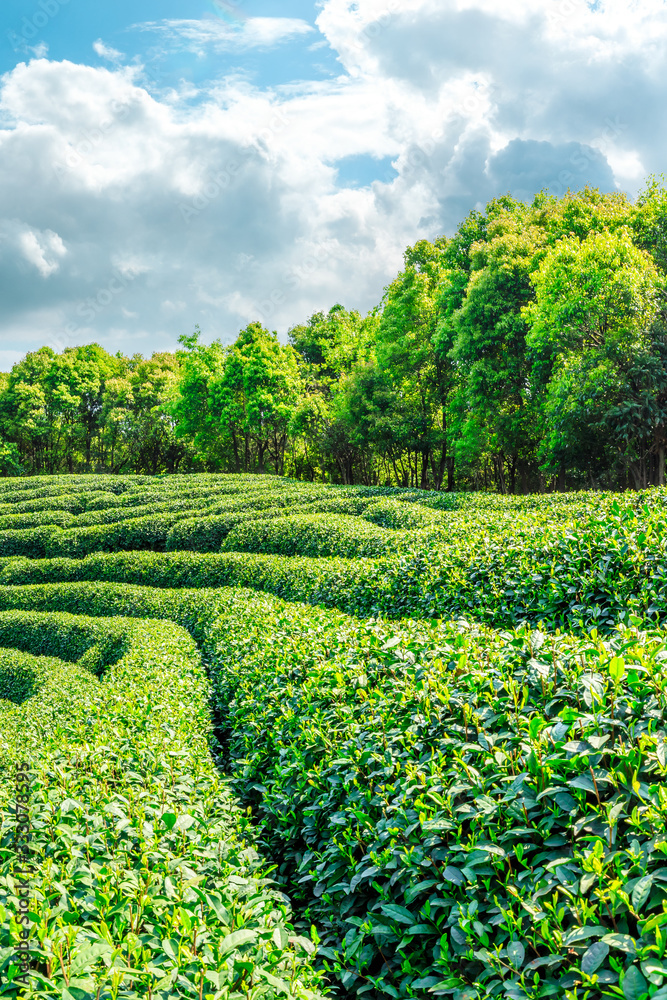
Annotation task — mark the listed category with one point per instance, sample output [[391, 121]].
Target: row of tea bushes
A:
[[207, 532], [593, 575], [501, 567], [193, 610], [21, 675], [312, 535], [36, 519], [461, 812], [143, 882], [170, 526], [301, 638]]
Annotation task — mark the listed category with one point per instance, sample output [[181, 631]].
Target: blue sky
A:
[[176, 162], [71, 31]]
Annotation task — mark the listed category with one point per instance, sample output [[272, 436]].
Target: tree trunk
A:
[[638, 472], [499, 472], [450, 474], [235, 446], [561, 479], [660, 471], [424, 478]]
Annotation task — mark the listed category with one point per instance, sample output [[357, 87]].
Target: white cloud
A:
[[131, 217], [107, 52], [42, 250], [250, 33]]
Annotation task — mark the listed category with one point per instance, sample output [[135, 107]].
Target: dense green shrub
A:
[[459, 810], [192, 609], [55, 518], [133, 837], [206, 533], [147, 532], [21, 674], [592, 574], [93, 643], [30, 542], [312, 535], [399, 514], [110, 515], [335, 503]]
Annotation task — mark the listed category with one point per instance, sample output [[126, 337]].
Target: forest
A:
[[526, 353]]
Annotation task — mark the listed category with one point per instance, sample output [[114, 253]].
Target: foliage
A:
[[460, 811], [450, 737], [310, 535], [144, 880], [526, 351]]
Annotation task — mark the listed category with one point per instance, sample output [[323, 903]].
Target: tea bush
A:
[[580, 576], [143, 879], [60, 519], [458, 810], [147, 532], [445, 713], [21, 674], [311, 535], [206, 533]]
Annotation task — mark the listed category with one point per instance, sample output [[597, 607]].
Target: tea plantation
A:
[[294, 740]]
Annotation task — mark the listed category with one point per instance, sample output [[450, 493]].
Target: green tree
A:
[[330, 347], [595, 329], [139, 426], [236, 403], [489, 350], [195, 417]]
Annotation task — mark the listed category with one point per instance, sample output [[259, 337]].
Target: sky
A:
[[216, 162]]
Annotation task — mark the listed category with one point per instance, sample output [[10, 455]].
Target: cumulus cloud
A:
[[127, 216], [40, 250]]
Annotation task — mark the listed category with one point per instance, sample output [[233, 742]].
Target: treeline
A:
[[527, 352]]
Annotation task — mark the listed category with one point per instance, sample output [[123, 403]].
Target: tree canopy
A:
[[527, 351]]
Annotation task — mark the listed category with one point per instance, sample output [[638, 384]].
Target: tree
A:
[[330, 347], [139, 426], [595, 330], [195, 419], [236, 403], [488, 338], [419, 377]]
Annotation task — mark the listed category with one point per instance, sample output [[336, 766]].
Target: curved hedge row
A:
[[311, 535], [457, 809], [133, 836], [36, 519], [609, 569], [21, 675], [401, 515], [207, 532], [460, 811]]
